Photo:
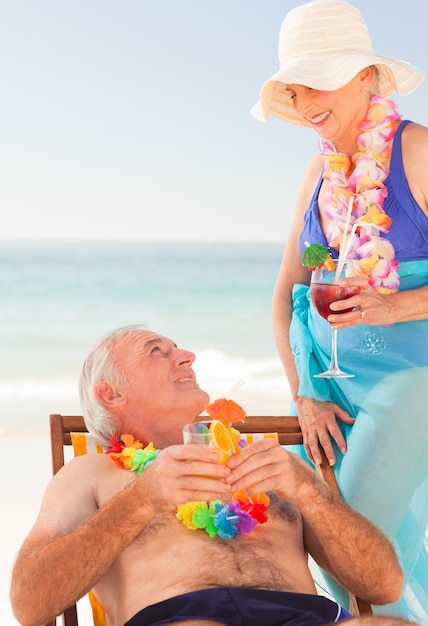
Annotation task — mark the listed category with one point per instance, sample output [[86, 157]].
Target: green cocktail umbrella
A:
[[315, 255]]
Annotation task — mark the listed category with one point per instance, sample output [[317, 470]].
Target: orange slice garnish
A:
[[224, 437], [328, 264]]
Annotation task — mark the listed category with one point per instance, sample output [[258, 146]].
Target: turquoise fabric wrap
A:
[[384, 474]]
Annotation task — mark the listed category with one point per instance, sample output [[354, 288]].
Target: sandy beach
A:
[[22, 490]]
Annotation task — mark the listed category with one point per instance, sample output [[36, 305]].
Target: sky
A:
[[129, 119]]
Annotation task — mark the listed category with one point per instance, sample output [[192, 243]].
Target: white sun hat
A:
[[323, 44]]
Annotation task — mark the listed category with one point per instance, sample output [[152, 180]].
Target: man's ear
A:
[[109, 395]]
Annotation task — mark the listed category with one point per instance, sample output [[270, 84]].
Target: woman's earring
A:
[[364, 88]]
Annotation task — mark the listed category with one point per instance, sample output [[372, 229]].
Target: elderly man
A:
[[106, 528]]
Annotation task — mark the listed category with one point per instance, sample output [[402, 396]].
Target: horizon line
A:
[[141, 241]]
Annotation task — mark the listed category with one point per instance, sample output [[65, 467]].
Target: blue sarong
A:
[[384, 474]]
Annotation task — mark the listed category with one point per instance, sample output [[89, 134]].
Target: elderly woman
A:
[[372, 170]]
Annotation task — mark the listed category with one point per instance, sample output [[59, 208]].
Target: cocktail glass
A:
[[325, 289], [198, 433]]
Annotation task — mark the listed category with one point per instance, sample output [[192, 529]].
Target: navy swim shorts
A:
[[242, 606]]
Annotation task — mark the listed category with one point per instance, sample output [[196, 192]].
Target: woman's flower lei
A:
[[238, 517], [373, 255]]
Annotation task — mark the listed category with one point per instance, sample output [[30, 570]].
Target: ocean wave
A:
[[212, 367], [265, 392], [31, 387], [220, 368], [25, 403]]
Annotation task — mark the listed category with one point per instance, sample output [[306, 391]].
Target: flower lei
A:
[[373, 255], [238, 517]]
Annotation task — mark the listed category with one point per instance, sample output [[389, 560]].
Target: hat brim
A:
[[328, 72]]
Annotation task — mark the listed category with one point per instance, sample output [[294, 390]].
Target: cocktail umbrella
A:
[[316, 255]]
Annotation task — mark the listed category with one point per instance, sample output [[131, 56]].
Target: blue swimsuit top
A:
[[409, 229]]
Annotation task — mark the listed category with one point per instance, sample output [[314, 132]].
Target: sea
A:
[[59, 298]]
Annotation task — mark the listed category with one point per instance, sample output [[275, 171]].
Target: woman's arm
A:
[[318, 420], [292, 272]]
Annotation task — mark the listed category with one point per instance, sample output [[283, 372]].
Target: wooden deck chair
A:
[[70, 430]]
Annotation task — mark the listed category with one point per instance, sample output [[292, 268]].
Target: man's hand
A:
[[183, 473], [267, 466]]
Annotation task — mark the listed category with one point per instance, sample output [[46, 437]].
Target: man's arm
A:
[[74, 542], [350, 547], [344, 543]]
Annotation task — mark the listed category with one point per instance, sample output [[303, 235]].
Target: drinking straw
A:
[[235, 387], [344, 246], [352, 233]]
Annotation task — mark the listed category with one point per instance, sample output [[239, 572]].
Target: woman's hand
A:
[[318, 422], [370, 307]]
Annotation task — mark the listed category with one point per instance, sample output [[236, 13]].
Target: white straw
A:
[[344, 247], [235, 387], [351, 234]]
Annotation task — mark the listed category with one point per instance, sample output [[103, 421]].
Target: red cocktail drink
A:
[[324, 291], [323, 294]]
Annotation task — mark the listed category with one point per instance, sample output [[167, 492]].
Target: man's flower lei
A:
[[366, 185], [131, 454], [238, 517]]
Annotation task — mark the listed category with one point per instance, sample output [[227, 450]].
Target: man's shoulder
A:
[[100, 472], [92, 459], [85, 482], [90, 467]]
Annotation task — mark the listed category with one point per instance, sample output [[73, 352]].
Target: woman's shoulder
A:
[[415, 135], [415, 161], [315, 167], [310, 181]]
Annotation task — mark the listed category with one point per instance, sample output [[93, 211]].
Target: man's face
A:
[[163, 393]]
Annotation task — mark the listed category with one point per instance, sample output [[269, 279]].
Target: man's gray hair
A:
[[100, 365]]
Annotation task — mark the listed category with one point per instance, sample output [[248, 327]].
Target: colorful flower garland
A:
[[373, 256], [238, 517]]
